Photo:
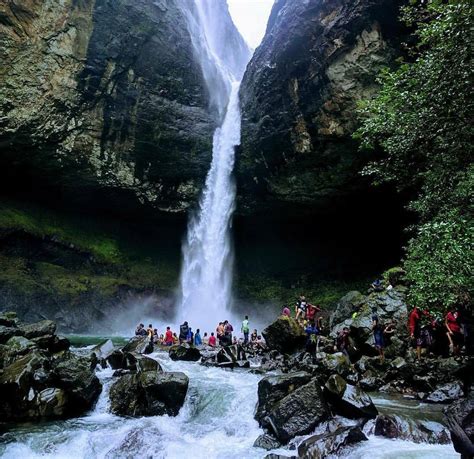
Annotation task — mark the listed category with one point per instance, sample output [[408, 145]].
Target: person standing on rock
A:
[[212, 340], [286, 311], [228, 330], [414, 324], [197, 338], [220, 330], [300, 309], [183, 332], [378, 330], [455, 336], [246, 329], [169, 340]]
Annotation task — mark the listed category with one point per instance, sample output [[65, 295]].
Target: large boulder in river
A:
[[285, 335], [139, 344], [460, 420], [347, 400], [298, 413], [149, 393], [272, 389], [35, 330], [332, 443], [446, 393], [185, 352], [347, 305]]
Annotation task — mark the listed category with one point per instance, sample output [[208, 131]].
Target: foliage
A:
[[420, 124]]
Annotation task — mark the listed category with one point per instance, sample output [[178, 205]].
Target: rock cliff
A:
[[103, 102], [299, 95]]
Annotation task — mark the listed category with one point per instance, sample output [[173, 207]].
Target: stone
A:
[[7, 332], [9, 319], [347, 400], [52, 403], [284, 335], [332, 443], [140, 345], [336, 362], [298, 413], [116, 360], [395, 427], [266, 442], [272, 389], [138, 362], [20, 345], [459, 418], [446, 393], [104, 349], [347, 305], [149, 393], [184, 352], [35, 330]]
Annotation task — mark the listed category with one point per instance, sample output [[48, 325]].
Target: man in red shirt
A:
[[168, 337], [454, 333], [212, 340], [414, 325]]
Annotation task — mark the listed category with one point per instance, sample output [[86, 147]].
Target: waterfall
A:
[[206, 275]]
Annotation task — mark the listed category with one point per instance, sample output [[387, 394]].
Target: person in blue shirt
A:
[[311, 337], [378, 329], [197, 338], [190, 336]]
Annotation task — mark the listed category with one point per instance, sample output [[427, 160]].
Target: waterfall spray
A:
[[207, 271]]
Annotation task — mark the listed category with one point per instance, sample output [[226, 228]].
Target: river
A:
[[216, 421]]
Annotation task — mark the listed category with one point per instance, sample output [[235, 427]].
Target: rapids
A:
[[216, 421]]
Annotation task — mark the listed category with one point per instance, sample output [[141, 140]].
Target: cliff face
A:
[[299, 95], [102, 101]]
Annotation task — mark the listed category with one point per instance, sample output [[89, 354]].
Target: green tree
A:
[[420, 125]]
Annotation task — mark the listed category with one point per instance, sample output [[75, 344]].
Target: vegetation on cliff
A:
[[421, 123]]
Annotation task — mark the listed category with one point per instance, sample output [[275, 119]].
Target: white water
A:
[[207, 270], [216, 421]]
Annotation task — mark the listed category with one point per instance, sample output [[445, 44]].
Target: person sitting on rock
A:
[[286, 311], [300, 308], [254, 337], [169, 340], [175, 338], [150, 332], [261, 344], [311, 337], [183, 332], [140, 330], [377, 329], [212, 340], [377, 285], [197, 338], [454, 333]]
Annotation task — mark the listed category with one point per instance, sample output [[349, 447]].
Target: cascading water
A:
[[206, 277]]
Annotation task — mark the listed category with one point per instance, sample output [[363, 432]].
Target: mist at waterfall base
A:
[[207, 268]]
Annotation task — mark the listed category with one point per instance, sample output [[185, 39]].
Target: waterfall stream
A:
[[206, 276]]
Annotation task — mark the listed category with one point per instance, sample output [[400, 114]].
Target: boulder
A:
[[185, 352], [298, 413], [9, 319], [7, 332], [332, 443], [337, 362], [149, 393], [267, 442], [80, 382], [52, 343], [284, 335], [446, 393], [116, 360], [138, 362], [346, 306], [20, 345], [347, 400], [396, 427], [52, 403], [232, 354], [104, 349], [274, 388], [460, 420], [138, 344], [35, 330]]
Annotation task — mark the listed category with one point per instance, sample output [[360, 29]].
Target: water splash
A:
[[206, 276]]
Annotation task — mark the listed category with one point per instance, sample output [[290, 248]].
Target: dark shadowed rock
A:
[[42, 328], [149, 393], [285, 335], [298, 413], [395, 427], [347, 305], [138, 362], [140, 345], [274, 388], [185, 352], [321, 446], [267, 442], [460, 420], [116, 359], [348, 400], [7, 332]]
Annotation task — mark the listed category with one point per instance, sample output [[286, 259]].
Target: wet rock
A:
[[284, 335], [298, 413], [20, 345], [52, 403], [185, 352], [459, 418], [347, 305], [446, 394], [140, 345], [149, 393], [7, 332], [348, 400], [104, 349], [337, 362], [9, 319], [395, 427], [333, 443], [116, 360], [267, 442], [272, 389], [370, 381], [138, 362], [35, 330], [231, 354]]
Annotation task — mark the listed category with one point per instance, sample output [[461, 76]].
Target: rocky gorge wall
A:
[[319, 58]]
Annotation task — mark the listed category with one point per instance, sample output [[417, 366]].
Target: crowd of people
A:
[[223, 336]]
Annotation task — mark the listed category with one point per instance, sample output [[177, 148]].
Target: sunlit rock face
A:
[[299, 96], [103, 101]]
